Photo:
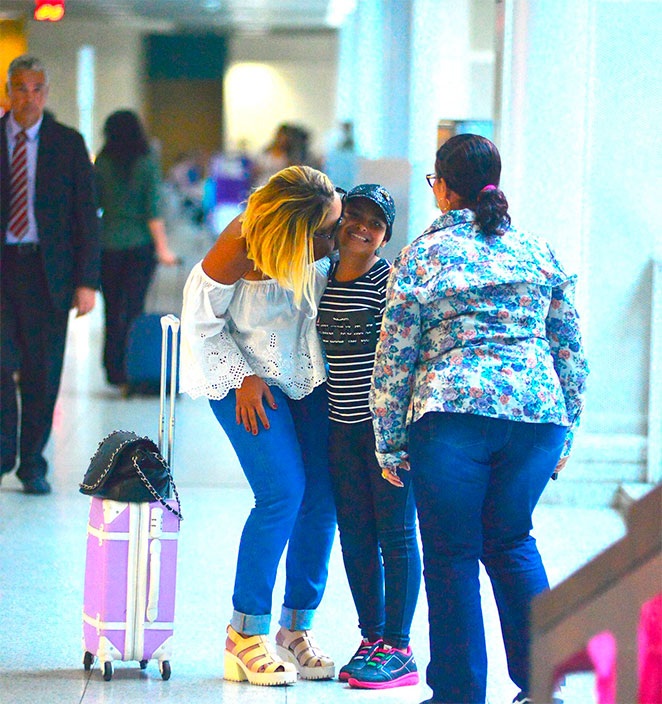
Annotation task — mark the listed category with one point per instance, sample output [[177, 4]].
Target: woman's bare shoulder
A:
[[226, 262]]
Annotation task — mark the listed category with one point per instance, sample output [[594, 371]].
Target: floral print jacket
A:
[[476, 323]]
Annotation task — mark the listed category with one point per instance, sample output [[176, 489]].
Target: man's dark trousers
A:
[[33, 339]]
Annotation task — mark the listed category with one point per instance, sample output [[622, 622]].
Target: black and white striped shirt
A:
[[349, 320]]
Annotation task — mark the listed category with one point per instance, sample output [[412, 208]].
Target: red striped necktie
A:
[[18, 210]]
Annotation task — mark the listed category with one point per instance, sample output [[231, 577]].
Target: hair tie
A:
[[489, 187]]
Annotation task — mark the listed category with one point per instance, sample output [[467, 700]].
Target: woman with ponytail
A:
[[248, 327], [477, 386]]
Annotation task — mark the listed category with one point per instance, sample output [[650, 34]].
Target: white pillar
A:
[[373, 76], [440, 83], [348, 83], [396, 94], [368, 63], [581, 92], [544, 109]]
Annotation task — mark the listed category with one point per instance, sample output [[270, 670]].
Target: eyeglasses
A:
[[332, 232], [431, 178]]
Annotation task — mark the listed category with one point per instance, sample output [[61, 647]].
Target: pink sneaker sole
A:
[[404, 681], [343, 676]]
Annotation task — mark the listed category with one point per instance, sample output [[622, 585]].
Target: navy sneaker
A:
[[387, 667], [359, 659]]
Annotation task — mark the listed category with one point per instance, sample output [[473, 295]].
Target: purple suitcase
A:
[[131, 566]]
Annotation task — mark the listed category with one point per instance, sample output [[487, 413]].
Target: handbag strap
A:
[[152, 490]]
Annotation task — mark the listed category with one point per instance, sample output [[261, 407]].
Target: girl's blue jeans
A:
[[476, 483], [287, 469]]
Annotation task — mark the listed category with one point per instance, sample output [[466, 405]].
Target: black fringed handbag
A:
[[127, 467]]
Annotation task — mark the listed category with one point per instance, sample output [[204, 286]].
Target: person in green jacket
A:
[[133, 236]]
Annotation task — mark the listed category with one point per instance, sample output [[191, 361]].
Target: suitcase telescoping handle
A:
[[168, 322]]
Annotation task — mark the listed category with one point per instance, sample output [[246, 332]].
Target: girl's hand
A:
[[249, 403]]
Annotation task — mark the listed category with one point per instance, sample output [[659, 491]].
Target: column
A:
[[440, 83], [581, 87]]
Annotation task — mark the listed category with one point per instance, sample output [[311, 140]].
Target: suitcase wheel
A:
[[164, 667], [108, 671], [143, 664], [88, 659]]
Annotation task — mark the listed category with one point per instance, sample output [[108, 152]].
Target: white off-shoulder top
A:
[[229, 332]]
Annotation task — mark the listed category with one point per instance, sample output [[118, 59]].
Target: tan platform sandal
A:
[[252, 658], [300, 648]]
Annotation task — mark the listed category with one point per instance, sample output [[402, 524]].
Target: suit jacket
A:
[[65, 209]]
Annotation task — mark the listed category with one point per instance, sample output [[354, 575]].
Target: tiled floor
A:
[[42, 554]]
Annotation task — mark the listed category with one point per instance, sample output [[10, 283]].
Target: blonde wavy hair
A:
[[278, 224]]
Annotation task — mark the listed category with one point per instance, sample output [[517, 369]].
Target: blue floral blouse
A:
[[476, 323]]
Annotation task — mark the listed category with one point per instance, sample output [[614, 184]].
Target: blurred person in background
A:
[[346, 142], [478, 383], [133, 235], [49, 260], [275, 157], [188, 176], [290, 146]]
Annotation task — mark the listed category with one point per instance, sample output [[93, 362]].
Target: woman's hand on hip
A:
[[249, 403]]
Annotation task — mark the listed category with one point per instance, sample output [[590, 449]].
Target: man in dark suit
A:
[[49, 263]]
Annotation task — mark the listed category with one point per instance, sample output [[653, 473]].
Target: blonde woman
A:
[[248, 325]]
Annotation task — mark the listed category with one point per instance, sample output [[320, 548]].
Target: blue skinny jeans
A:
[[287, 469], [377, 523], [476, 483]]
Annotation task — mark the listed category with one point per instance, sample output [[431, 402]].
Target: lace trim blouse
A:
[[233, 331]]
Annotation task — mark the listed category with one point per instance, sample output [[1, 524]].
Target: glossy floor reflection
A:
[[42, 555]]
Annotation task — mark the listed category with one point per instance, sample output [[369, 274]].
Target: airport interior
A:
[[570, 91]]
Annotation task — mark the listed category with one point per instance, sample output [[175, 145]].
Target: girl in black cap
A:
[[373, 515]]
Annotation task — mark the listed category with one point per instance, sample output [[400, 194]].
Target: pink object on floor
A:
[[650, 652], [601, 650], [600, 656]]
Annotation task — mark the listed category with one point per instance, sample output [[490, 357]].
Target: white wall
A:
[[118, 67], [276, 78], [623, 196], [581, 154]]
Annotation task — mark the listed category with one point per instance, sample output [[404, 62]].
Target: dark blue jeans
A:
[[476, 482], [287, 469], [374, 515]]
